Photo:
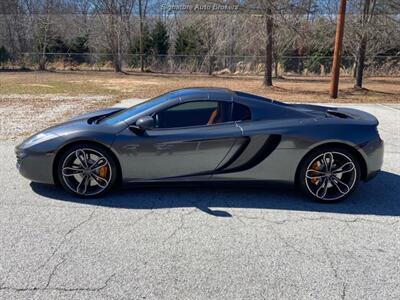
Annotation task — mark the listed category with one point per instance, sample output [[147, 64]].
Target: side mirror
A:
[[143, 124]]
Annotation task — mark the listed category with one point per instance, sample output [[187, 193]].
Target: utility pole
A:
[[338, 49]]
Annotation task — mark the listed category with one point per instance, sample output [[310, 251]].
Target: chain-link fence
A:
[[216, 64]]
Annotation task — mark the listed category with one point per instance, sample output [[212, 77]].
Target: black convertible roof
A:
[[202, 89], [203, 93], [194, 92]]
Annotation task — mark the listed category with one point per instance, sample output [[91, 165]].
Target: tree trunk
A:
[[368, 13], [42, 58], [117, 59], [210, 52], [268, 49], [141, 37], [117, 63], [360, 62], [115, 41], [210, 64], [42, 63], [354, 73]]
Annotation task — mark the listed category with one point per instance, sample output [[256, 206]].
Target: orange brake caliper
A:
[[315, 167], [103, 171]]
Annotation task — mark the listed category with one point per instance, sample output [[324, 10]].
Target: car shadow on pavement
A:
[[379, 196]]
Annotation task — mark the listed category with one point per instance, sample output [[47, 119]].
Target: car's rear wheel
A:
[[87, 170], [329, 174]]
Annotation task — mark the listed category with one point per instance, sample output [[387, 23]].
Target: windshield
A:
[[136, 109]]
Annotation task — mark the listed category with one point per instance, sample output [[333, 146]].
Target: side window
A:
[[195, 113], [240, 112], [195, 105]]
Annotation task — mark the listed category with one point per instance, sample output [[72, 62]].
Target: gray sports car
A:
[[201, 134]]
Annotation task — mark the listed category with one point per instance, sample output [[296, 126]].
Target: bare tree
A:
[[212, 31], [42, 13], [141, 36], [263, 33], [12, 22], [113, 14], [366, 17], [272, 8]]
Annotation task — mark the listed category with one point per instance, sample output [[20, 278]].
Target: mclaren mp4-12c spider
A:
[[208, 134]]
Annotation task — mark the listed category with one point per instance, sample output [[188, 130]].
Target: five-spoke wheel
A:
[[86, 170], [329, 174]]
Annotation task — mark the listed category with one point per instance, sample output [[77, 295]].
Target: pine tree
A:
[[78, 47], [134, 48], [4, 56], [160, 39], [188, 42]]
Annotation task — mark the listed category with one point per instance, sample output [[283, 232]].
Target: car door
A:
[[172, 149]]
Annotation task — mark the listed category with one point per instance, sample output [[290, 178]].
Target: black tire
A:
[[315, 178], [97, 185]]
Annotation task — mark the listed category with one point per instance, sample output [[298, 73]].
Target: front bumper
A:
[[35, 166], [374, 157]]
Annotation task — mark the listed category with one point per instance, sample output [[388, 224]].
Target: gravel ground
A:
[[22, 115], [202, 242]]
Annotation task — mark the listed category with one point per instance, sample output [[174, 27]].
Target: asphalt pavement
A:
[[202, 241]]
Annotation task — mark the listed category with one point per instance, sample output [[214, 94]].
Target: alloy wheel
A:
[[86, 172], [331, 176]]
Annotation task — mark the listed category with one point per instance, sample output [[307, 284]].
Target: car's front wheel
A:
[[329, 174], [87, 170]]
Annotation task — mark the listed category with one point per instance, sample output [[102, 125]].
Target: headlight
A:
[[39, 138]]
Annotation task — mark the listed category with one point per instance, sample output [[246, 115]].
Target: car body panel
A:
[[270, 146], [166, 153], [102, 112]]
